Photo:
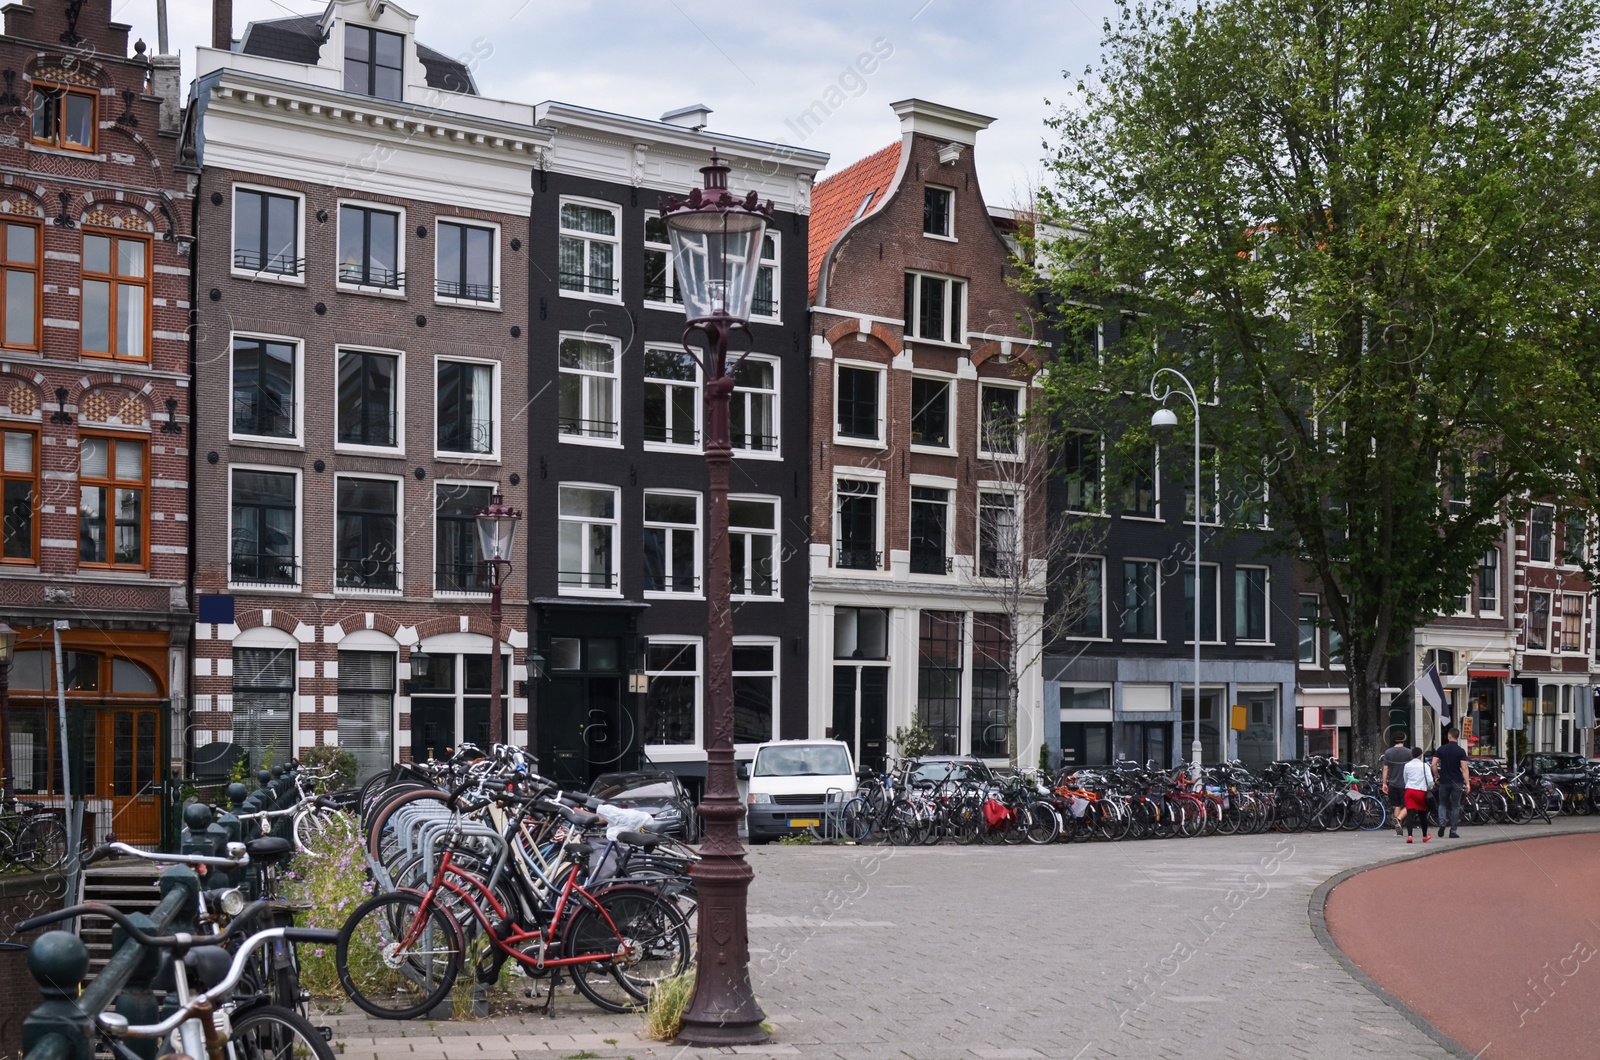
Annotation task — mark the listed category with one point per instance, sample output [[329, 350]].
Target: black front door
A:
[[607, 738], [563, 711], [433, 728], [861, 713]]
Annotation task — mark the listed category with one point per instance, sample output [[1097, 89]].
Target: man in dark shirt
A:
[[1450, 769], [1394, 762]]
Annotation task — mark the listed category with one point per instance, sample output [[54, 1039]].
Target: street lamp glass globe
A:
[[1164, 417], [8, 643], [716, 248], [497, 530]]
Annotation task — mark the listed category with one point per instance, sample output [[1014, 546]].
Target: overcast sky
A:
[[759, 66]]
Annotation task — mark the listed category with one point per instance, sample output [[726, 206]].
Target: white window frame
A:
[[1187, 566], [493, 227], [615, 441], [1160, 611], [951, 418], [1216, 489], [615, 209], [1018, 495], [1554, 554], [1105, 599], [880, 442], [1549, 623], [1477, 580], [1563, 557], [1266, 604], [681, 752], [776, 673], [697, 528], [1100, 475], [399, 448], [776, 452], [670, 305], [1155, 462], [299, 529], [299, 439], [399, 536], [615, 522], [777, 543], [857, 474], [1022, 412], [1583, 642], [491, 457], [1316, 631], [949, 216], [950, 488], [398, 291], [775, 263], [433, 540], [698, 404], [298, 277], [916, 311]]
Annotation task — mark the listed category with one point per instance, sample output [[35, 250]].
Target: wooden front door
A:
[[128, 755]]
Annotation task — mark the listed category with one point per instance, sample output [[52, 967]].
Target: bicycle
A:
[[33, 837]]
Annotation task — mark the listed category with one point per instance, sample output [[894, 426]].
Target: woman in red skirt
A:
[[1419, 781]]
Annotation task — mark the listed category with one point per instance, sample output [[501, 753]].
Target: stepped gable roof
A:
[[299, 40], [837, 201]]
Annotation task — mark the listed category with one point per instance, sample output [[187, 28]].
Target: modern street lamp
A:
[[716, 249], [8, 648], [497, 532], [1164, 419]]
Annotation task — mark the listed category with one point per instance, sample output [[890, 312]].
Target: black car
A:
[[958, 769], [656, 791]]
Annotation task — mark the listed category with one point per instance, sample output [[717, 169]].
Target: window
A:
[[112, 480], [1210, 602], [374, 62], [1574, 535], [937, 204], [939, 651], [265, 379], [20, 325], [464, 265], [930, 412], [369, 247], [266, 233], [930, 530], [1209, 510], [1082, 469], [588, 398], [765, 301], [1335, 648], [1489, 582], [933, 307], [588, 249], [457, 565], [263, 703], [1139, 496], [367, 535], [587, 538], [991, 685], [860, 633], [1541, 533], [753, 546], [671, 398], [368, 400], [753, 408], [1309, 624], [1140, 603], [856, 399], [366, 709], [116, 296], [465, 408], [1538, 621], [1085, 343], [755, 684], [1250, 603], [1572, 622], [671, 542], [1085, 589], [265, 533], [999, 420], [19, 493], [856, 519], [672, 706], [999, 535], [64, 117], [660, 282]]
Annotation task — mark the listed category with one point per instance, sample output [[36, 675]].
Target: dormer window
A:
[[374, 62], [63, 117]]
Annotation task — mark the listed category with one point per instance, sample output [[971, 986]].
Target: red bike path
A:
[[1495, 945]]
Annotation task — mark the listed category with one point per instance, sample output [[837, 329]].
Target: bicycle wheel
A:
[[638, 937], [856, 819], [267, 1032], [1042, 824], [966, 825], [1371, 814], [42, 843], [394, 961]]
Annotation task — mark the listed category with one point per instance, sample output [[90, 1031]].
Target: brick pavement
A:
[[1199, 949]]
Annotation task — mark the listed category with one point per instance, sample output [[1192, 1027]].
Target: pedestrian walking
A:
[[1450, 766], [1419, 781], [1394, 762]]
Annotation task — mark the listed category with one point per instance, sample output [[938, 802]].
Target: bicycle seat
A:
[[268, 850], [643, 840]]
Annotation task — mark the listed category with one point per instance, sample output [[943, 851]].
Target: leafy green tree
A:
[[1366, 229]]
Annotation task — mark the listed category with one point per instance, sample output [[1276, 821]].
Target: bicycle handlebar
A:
[[182, 939]]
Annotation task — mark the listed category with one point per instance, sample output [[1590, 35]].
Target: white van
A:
[[793, 784]]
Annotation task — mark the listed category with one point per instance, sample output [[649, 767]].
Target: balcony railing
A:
[[263, 415], [582, 428], [462, 578], [264, 569], [466, 292], [582, 579], [760, 443], [587, 283], [763, 307], [857, 559], [931, 563], [371, 575], [675, 435], [276, 264], [370, 275], [657, 582]]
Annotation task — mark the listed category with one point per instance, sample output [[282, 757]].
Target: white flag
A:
[[1432, 691]]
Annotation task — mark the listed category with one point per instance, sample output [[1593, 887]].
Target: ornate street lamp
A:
[[1164, 420], [716, 250], [497, 532], [8, 648]]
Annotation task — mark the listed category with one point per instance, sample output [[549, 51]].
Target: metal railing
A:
[[262, 568], [277, 264], [579, 579], [369, 275], [462, 578], [586, 428], [374, 574], [586, 283], [263, 415], [931, 563], [467, 292], [857, 559]]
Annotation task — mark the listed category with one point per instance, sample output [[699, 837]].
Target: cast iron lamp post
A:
[[497, 532], [716, 250], [8, 647], [1165, 419]]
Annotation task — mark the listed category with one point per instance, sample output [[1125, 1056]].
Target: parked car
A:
[[656, 791], [795, 784], [935, 769]]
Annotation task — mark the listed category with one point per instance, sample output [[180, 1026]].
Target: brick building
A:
[[1556, 648], [921, 361], [94, 407], [360, 386]]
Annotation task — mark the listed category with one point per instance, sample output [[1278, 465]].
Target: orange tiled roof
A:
[[835, 201]]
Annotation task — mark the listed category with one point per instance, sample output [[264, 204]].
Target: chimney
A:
[[19, 21], [222, 25]]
